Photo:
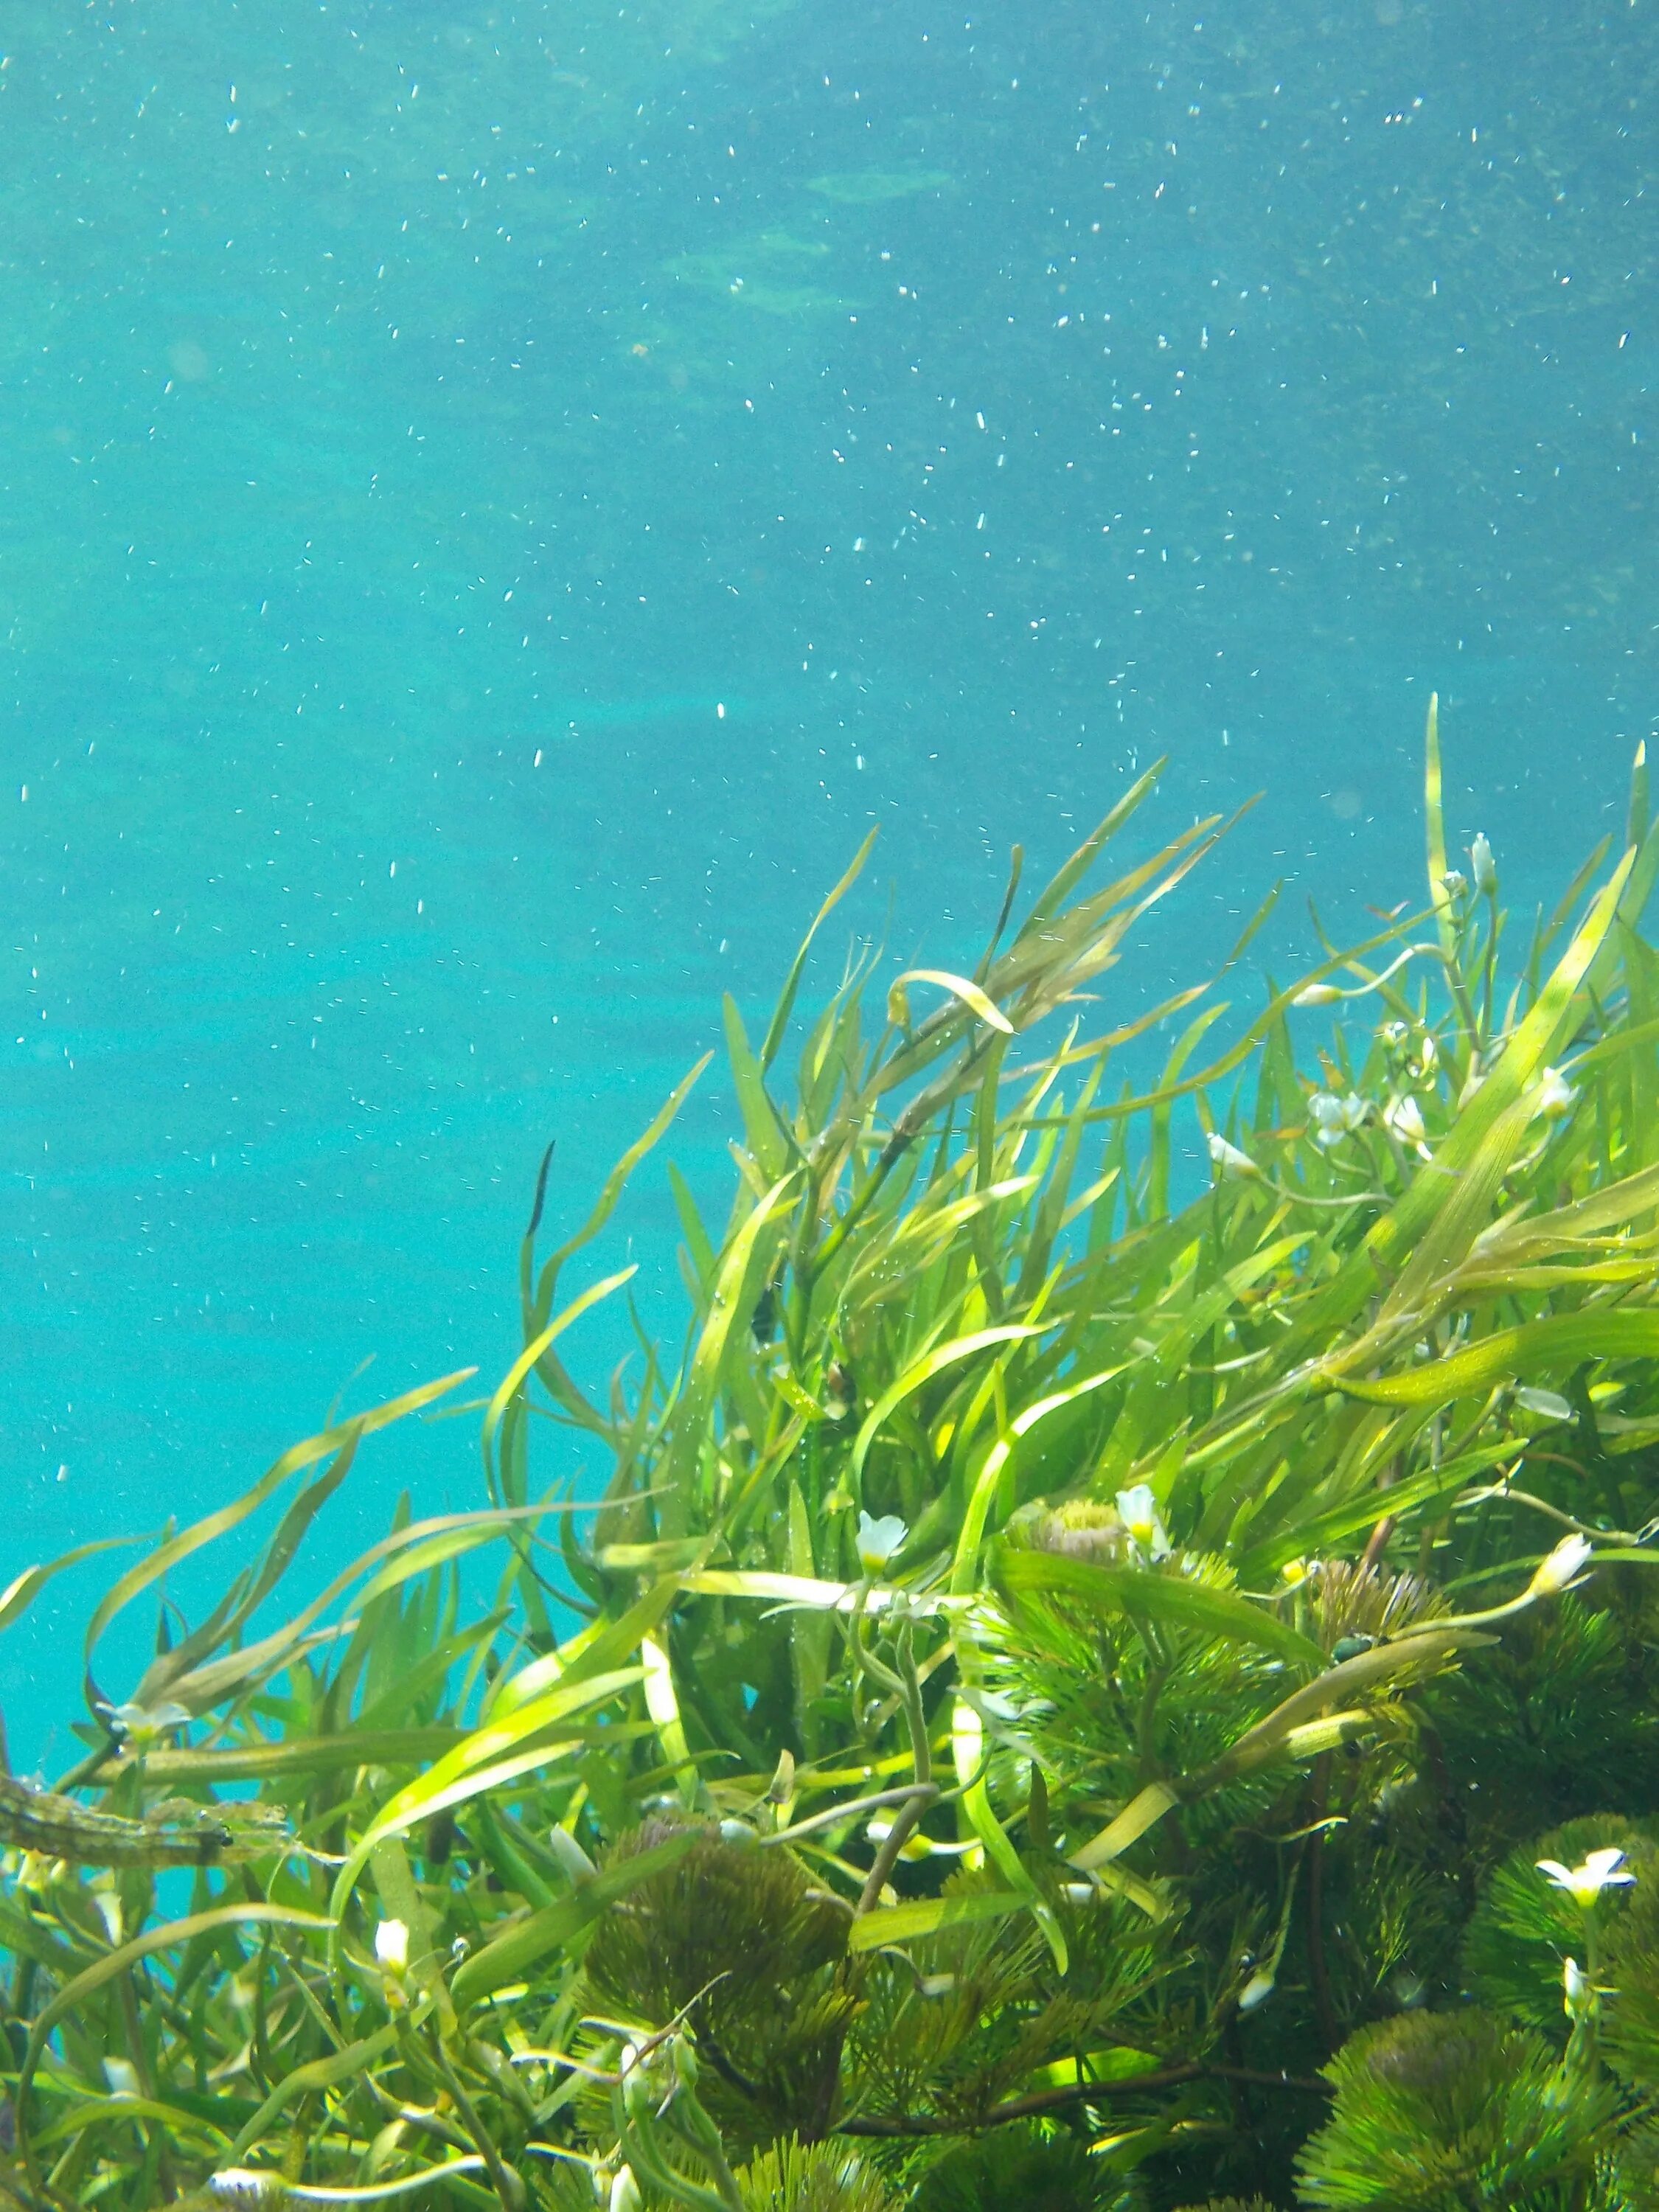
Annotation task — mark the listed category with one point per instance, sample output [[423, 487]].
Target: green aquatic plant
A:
[[1105, 1674]]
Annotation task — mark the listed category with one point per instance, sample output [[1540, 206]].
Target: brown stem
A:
[[1376, 1543], [898, 1836], [1324, 2010], [1044, 2101], [723, 2066]]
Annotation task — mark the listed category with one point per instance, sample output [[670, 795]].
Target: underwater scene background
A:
[[497, 500]]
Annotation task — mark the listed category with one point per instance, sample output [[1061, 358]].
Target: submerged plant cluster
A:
[[1086, 1693]]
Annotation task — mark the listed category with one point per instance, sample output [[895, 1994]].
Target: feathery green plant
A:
[[1076, 1665]]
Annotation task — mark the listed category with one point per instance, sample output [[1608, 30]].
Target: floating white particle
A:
[[720, 710]]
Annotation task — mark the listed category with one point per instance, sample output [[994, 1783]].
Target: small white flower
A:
[[878, 1541], [1482, 866], [1334, 1118], [570, 1855], [1554, 1096], [1138, 1510], [1603, 1869], [122, 2076], [1404, 1116], [1562, 1568], [391, 1945], [1232, 1164], [1578, 1993], [1456, 882], [141, 1728]]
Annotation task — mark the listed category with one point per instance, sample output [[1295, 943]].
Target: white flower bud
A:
[[1232, 1164], [625, 2191], [1405, 1117], [391, 1947], [1554, 1096], [637, 2095], [1562, 1568], [1482, 866], [571, 1855]]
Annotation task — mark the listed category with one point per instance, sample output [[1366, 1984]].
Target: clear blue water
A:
[[421, 420]]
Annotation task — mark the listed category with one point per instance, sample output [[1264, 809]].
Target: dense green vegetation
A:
[[1074, 1677]]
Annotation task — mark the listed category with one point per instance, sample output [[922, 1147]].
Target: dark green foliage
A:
[[1020, 2169], [961, 2025], [736, 1937], [1453, 2112], [1573, 1696], [1229, 2205], [1629, 1968]]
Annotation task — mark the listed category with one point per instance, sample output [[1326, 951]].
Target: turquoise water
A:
[[497, 500]]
